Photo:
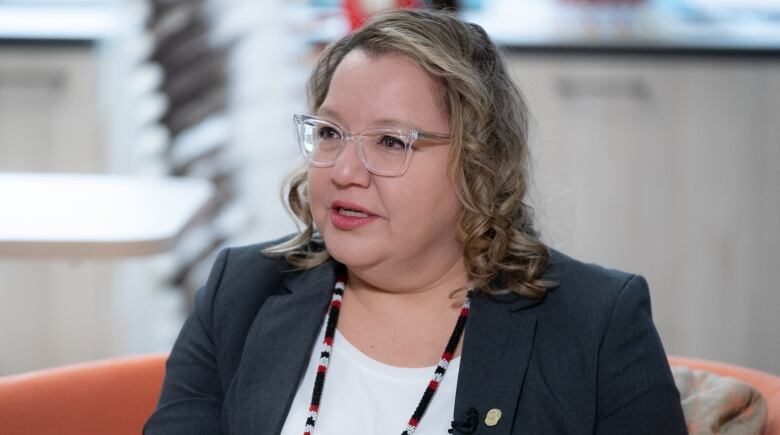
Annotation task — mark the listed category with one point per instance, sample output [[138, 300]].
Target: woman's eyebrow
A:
[[327, 112], [397, 123], [330, 113], [394, 122]]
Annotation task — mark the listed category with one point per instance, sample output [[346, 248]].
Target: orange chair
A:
[[767, 384], [117, 396], [113, 396]]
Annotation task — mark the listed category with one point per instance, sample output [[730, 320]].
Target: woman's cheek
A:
[[315, 193]]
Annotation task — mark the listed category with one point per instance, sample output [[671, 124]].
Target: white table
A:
[[80, 215]]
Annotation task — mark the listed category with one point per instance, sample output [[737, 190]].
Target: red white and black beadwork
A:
[[327, 347]]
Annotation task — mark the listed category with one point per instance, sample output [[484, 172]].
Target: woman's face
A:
[[411, 219]]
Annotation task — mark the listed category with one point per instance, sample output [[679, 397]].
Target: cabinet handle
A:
[[33, 78], [632, 88]]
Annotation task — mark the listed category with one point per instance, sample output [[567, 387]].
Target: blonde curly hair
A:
[[488, 146]]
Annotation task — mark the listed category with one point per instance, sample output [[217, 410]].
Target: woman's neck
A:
[[405, 325], [388, 291]]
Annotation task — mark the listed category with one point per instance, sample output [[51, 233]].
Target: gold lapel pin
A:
[[492, 417]]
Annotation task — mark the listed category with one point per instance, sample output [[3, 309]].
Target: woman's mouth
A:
[[353, 213], [347, 216]]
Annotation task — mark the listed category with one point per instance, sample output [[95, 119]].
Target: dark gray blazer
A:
[[585, 359]]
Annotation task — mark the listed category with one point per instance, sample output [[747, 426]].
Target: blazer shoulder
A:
[[247, 260], [252, 254], [588, 289], [249, 275], [567, 272], [241, 280]]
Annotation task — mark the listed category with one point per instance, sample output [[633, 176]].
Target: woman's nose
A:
[[349, 168]]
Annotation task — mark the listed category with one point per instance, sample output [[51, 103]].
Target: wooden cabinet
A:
[[668, 167], [49, 109], [53, 311]]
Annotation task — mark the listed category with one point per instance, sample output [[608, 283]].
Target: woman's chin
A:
[[352, 251]]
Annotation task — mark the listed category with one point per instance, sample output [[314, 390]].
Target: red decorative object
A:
[[358, 11]]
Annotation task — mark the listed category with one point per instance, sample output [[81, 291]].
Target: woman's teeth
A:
[[353, 213]]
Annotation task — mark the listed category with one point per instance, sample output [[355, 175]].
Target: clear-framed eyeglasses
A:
[[385, 151]]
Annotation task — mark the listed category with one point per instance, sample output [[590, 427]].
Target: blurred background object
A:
[[654, 135], [358, 11], [96, 216]]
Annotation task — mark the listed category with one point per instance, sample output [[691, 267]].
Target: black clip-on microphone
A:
[[469, 426]]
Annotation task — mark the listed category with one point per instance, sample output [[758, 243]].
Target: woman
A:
[[417, 298]]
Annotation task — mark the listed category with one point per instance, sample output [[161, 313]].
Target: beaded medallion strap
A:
[[327, 347]]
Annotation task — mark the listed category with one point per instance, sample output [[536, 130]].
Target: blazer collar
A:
[[496, 347], [277, 350]]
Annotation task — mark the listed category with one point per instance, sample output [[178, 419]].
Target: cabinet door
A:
[[53, 311], [758, 283], [49, 118], [664, 167]]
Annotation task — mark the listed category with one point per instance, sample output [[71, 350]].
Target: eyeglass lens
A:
[[382, 150]]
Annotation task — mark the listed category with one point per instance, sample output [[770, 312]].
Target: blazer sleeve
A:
[[191, 398], [636, 391]]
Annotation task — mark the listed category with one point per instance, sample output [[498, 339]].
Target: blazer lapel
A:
[[497, 345], [277, 350]]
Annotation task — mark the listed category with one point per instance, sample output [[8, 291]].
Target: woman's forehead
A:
[[390, 89]]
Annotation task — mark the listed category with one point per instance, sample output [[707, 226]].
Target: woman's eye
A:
[[329, 133], [392, 143]]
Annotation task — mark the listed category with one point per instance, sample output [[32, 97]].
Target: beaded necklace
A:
[[327, 347]]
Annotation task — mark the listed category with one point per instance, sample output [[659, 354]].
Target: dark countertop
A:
[[649, 29]]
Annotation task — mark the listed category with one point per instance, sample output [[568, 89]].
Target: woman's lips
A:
[[346, 216]]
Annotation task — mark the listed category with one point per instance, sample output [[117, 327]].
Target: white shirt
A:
[[366, 397]]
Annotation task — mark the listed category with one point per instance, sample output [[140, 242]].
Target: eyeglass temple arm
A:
[[432, 137]]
